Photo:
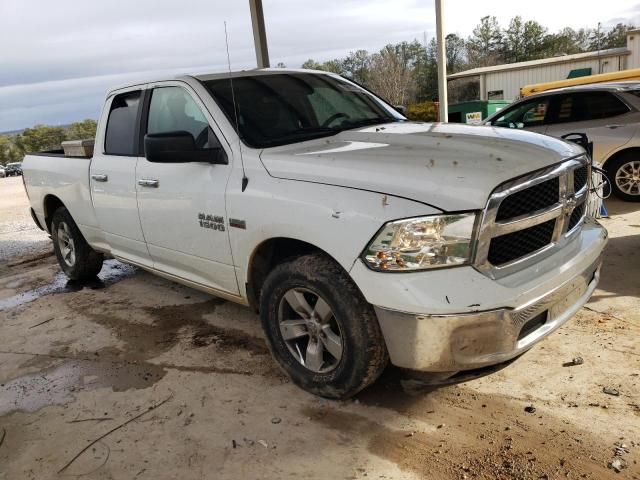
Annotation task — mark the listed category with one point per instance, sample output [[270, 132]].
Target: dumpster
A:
[[475, 111]]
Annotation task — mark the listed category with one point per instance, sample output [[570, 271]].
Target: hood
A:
[[449, 166]]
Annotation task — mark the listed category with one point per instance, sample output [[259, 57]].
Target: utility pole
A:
[[442, 64], [259, 33]]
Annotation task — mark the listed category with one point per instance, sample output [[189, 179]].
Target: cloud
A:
[[58, 57]]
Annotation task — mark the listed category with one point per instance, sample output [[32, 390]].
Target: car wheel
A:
[[76, 258], [624, 176], [320, 329]]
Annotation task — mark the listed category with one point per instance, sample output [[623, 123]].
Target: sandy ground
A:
[[133, 376]]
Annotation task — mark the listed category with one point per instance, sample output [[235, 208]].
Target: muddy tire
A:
[[624, 176], [76, 258], [320, 329]]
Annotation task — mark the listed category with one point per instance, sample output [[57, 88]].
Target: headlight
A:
[[423, 242]]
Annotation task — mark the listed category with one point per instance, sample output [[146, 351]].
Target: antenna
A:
[[245, 180]]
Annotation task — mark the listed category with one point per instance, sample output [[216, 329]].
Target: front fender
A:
[[340, 221]]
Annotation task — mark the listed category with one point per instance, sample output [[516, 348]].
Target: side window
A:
[[172, 109], [121, 125], [527, 114], [581, 107], [605, 105]]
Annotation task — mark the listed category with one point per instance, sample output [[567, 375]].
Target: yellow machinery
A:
[[621, 76]]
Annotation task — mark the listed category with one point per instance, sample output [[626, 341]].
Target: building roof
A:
[[611, 52]]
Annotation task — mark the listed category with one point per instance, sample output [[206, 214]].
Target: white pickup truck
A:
[[359, 236]]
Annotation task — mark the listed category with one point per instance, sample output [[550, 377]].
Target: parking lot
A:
[[133, 376]]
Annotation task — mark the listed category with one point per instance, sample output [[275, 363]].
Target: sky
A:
[[58, 57]]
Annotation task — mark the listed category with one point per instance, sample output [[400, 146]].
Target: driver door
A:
[[182, 205]]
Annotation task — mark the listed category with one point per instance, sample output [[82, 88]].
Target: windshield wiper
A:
[[367, 121], [302, 134], [314, 130]]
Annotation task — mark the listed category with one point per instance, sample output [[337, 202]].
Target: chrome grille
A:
[[576, 216], [580, 176], [509, 247], [529, 200], [530, 216]]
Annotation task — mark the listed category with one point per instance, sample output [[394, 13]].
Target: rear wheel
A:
[[320, 328], [624, 175], [76, 258]]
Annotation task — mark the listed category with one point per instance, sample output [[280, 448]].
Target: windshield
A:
[[281, 108]]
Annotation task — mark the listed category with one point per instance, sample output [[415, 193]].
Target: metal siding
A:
[[510, 81], [633, 44]]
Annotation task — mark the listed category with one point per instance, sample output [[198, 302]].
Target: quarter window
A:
[[121, 125]]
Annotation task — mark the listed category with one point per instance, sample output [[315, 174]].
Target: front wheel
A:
[[76, 258], [320, 329], [624, 175]]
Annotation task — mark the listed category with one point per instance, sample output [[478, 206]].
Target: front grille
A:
[[576, 215], [537, 197], [580, 176], [526, 218], [509, 247]]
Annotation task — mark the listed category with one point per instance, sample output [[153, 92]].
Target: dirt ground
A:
[[136, 377]]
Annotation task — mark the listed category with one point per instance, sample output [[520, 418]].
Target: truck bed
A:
[[51, 174]]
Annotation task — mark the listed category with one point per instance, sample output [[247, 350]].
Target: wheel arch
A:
[[51, 203], [620, 153], [267, 255]]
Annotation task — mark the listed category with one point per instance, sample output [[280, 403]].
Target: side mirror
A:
[[401, 109], [179, 147]]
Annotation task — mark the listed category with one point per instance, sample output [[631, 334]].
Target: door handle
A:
[[614, 126], [148, 182], [99, 177]]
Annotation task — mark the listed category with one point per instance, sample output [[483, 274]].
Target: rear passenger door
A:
[[112, 177], [601, 115], [182, 205]]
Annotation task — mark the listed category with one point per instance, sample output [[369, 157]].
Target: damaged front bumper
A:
[[539, 302]]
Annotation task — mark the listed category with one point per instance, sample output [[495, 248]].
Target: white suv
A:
[[609, 113]]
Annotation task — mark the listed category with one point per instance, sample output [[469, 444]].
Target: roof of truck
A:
[[206, 76]]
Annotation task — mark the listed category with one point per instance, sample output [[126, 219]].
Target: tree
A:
[[40, 137], [281, 65], [391, 76], [427, 73], [8, 151], [85, 129], [597, 39], [513, 41], [455, 53], [485, 44], [617, 36], [334, 66], [311, 64], [566, 41], [356, 66], [533, 40]]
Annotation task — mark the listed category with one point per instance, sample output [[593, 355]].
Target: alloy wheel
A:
[[628, 178], [310, 330], [66, 244]]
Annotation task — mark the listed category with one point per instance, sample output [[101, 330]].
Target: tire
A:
[[343, 314], [623, 167], [76, 258]]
